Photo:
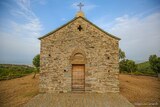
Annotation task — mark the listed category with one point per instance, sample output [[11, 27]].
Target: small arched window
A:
[[78, 57]]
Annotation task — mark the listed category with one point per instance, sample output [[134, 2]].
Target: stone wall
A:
[[100, 52]]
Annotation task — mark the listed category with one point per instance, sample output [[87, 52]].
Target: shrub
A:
[[127, 65], [155, 63], [36, 63], [145, 68]]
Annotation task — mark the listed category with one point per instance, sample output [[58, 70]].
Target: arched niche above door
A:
[[78, 57]]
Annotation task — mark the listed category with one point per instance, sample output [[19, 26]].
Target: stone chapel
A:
[[79, 57]]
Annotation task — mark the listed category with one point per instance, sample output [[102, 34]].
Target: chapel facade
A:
[[79, 57]]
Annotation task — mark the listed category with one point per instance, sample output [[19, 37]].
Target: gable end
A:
[[74, 20]]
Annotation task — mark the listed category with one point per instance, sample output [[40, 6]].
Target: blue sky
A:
[[136, 22]]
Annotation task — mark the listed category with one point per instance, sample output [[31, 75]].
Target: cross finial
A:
[[80, 6]]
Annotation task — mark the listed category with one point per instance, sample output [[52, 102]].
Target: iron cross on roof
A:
[[80, 6]]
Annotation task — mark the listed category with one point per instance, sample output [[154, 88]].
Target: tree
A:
[[121, 54], [36, 63], [155, 63], [127, 65]]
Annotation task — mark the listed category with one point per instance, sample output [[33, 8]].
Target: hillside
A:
[[137, 89], [144, 68], [10, 71]]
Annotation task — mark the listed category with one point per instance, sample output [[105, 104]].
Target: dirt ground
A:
[[16, 92], [139, 90]]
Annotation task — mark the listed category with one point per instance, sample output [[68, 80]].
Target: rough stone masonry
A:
[[79, 42]]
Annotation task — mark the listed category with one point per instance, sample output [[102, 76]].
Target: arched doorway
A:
[[78, 61]]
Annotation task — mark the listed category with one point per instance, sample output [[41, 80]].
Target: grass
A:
[[16, 92], [9, 71]]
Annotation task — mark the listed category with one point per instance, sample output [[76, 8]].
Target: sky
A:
[[136, 22]]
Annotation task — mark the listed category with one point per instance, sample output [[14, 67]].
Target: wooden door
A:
[[78, 77]]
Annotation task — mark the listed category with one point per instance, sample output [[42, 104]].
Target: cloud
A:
[[24, 10], [19, 42], [140, 35]]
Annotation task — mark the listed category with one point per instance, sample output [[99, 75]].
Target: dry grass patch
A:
[[16, 92]]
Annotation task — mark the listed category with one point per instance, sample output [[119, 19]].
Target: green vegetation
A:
[[151, 67], [145, 68], [9, 71], [155, 63], [36, 63], [128, 66], [122, 54]]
